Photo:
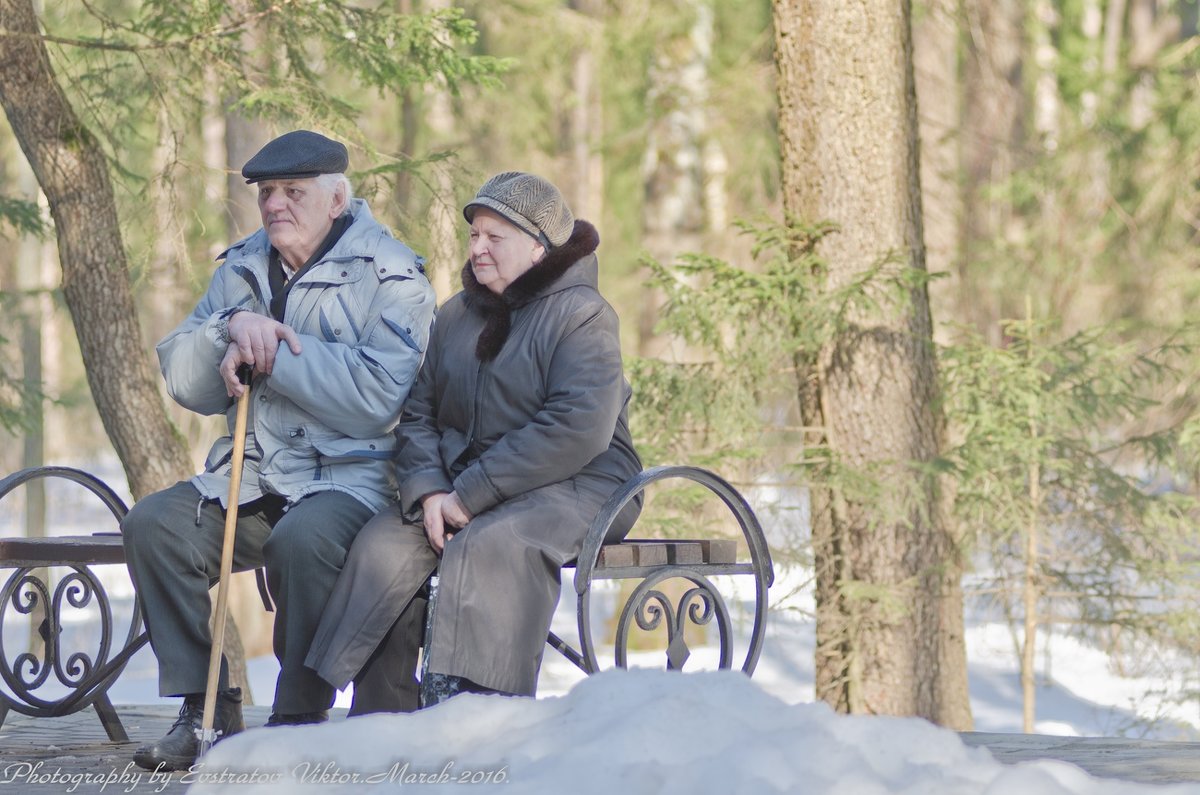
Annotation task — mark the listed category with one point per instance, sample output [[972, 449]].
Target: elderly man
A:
[[333, 314]]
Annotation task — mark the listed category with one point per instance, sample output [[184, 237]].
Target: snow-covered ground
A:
[[635, 732], [647, 731]]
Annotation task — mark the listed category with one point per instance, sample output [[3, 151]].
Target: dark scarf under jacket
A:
[[497, 309], [281, 283]]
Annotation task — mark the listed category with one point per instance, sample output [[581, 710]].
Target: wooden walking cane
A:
[[206, 734]]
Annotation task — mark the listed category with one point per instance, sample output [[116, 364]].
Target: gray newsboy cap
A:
[[529, 203], [297, 155]]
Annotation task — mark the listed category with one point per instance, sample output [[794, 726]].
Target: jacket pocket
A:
[[340, 321], [344, 449], [219, 455]]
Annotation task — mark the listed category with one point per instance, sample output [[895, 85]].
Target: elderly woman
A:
[[512, 438]]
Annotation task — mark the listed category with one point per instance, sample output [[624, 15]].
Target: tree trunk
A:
[[167, 273], [243, 138], [446, 252], [992, 135], [585, 191], [73, 174], [1030, 590], [674, 210], [936, 47], [36, 310], [410, 127], [446, 255], [889, 600]]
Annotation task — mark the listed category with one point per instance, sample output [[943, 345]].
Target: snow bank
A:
[[640, 731]]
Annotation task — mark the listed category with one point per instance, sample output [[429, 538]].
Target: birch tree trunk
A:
[[889, 600], [72, 172], [674, 209], [586, 187]]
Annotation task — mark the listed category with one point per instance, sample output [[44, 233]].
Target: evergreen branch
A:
[[23, 216], [219, 31]]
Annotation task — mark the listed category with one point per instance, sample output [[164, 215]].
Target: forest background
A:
[[1054, 251]]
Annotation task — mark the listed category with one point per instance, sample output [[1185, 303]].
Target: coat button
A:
[[372, 446], [337, 332], [343, 274]]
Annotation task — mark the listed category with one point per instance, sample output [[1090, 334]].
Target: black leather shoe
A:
[[178, 749], [297, 718]]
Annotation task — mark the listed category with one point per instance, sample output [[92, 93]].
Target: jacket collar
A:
[[544, 278]]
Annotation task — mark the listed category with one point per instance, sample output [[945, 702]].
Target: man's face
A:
[[297, 214]]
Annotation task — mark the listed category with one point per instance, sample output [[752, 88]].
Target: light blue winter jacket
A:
[[323, 419]]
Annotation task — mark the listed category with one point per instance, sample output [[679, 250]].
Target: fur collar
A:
[[497, 309]]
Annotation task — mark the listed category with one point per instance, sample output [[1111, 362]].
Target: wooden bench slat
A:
[[651, 552], [107, 548], [93, 549], [685, 553], [615, 555], [719, 550]]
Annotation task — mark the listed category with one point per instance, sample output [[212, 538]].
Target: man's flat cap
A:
[[297, 155]]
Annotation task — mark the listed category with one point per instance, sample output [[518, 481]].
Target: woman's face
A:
[[500, 252]]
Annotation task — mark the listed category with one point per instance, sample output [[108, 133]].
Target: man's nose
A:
[[478, 246], [274, 202]]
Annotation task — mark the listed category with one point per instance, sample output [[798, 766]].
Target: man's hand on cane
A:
[[254, 341]]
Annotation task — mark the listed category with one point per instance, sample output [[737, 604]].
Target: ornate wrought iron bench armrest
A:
[[656, 561], [86, 678]]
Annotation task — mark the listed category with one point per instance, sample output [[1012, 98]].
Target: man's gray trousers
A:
[[173, 547]]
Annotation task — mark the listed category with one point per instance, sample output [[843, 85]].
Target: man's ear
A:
[[339, 200], [539, 253]]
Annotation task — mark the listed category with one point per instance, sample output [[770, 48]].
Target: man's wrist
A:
[[223, 324]]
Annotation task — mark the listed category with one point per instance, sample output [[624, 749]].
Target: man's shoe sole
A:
[[150, 759]]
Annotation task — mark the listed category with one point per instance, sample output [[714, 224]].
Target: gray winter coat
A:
[[323, 419], [520, 408], [520, 390]]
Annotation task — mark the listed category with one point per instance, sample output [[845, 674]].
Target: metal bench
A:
[[85, 674], [652, 562], [88, 675]]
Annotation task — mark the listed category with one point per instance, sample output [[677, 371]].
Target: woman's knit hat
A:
[[529, 203]]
